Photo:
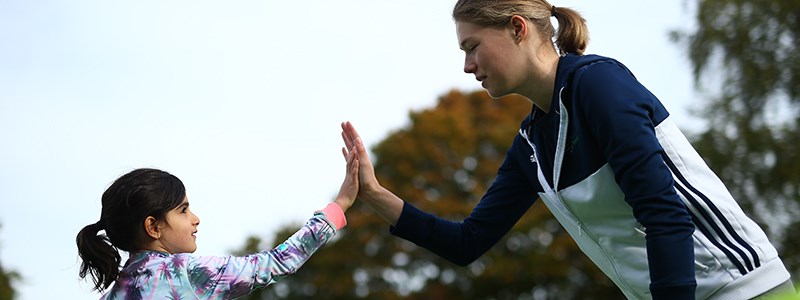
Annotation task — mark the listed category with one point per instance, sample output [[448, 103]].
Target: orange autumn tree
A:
[[442, 162]]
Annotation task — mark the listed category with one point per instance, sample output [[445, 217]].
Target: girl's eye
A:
[[183, 210]]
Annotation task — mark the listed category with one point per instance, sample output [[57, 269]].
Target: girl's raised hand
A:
[[349, 190]]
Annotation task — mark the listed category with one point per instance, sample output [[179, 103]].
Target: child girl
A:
[[146, 212]]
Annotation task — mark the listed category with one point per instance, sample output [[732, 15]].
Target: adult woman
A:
[[602, 153]]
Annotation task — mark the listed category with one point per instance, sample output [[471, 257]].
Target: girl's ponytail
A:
[[101, 260], [126, 204], [573, 34]]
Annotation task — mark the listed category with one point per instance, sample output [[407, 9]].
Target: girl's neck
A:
[[150, 251]]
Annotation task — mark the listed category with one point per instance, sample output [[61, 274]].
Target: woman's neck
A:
[[540, 86]]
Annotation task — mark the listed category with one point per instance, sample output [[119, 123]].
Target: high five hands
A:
[[386, 204], [367, 180]]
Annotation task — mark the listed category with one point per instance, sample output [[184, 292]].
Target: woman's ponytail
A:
[[100, 259], [573, 34]]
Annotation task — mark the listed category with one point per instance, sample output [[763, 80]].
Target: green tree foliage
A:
[[7, 278], [747, 51], [443, 162]]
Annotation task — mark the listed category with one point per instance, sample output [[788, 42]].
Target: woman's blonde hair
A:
[[572, 35]]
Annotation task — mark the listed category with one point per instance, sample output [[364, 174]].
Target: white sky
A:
[[240, 99]]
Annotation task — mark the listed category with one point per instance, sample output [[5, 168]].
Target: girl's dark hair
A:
[[126, 204], [572, 35]]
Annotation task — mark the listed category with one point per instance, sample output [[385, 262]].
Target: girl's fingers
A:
[[348, 141], [350, 156], [351, 129], [352, 141]]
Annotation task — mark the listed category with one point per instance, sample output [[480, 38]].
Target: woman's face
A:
[[493, 55]]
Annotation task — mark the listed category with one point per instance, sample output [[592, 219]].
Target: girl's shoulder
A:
[[155, 260]]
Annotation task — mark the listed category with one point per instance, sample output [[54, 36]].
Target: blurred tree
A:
[[7, 278], [747, 50], [443, 162]]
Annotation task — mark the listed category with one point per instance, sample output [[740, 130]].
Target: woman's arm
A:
[[462, 242]]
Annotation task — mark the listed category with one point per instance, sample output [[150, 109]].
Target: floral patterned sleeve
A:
[[234, 276]]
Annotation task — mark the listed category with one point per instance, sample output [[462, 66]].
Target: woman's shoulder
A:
[[584, 62], [572, 66]]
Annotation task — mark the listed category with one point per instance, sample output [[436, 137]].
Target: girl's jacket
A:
[[157, 275], [618, 174]]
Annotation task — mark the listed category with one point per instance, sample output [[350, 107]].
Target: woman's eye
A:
[[469, 48]]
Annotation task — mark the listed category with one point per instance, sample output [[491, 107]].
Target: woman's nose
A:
[[469, 66]]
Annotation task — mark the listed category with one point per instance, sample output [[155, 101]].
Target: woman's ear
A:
[[519, 26], [151, 227]]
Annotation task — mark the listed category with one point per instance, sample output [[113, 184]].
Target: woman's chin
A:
[[495, 94]]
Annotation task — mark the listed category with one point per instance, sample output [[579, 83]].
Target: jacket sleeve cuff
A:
[[335, 214]]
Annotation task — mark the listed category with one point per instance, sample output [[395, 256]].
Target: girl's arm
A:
[[234, 276]]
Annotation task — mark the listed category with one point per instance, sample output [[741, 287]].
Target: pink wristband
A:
[[335, 214]]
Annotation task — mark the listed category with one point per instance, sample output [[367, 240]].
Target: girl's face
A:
[[178, 232], [493, 55]]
